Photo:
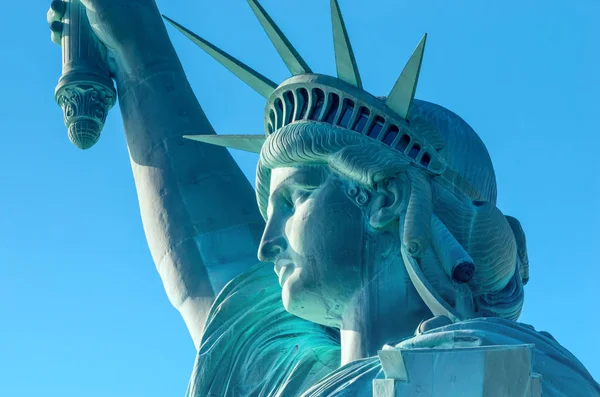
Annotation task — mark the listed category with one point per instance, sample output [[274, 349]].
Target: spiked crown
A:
[[432, 138], [340, 102]]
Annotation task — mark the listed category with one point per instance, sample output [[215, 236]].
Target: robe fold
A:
[[252, 347]]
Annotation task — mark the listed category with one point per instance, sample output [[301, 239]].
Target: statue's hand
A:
[[199, 190], [113, 21]]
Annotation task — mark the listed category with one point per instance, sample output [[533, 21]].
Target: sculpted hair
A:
[[477, 227]]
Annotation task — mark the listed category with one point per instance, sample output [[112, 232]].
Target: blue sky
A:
[[82, 309]]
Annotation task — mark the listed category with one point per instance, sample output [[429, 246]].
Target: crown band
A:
[[320, 98]]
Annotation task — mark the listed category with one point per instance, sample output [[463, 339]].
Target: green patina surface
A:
[[378, 213]]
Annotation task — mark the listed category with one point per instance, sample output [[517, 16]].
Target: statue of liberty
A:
[[378, 214]]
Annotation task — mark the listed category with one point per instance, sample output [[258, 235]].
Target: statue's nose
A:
[[271, 248]]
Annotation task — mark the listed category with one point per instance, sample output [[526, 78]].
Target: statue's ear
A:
[[390, 199]]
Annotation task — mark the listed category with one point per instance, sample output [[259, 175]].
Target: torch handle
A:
[[85, 91]]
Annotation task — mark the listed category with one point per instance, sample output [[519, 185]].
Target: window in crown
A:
[[279, 114], [270, 128], [319, 99], [361, 122], [376, 128], [391, 135], [290, 106], [414, 151], [347, 111], [403, 143], [304, 100], [334, 104], [272, 117], [425, 160]]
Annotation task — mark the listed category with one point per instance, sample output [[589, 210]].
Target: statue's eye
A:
[[287, 203], [299, 196]]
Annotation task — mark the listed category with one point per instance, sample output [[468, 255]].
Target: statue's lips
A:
[[284, 268]]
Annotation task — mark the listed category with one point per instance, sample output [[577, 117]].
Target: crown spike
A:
[[347, 70], [257, 81], [288, 53], [401, 97], [246, 143]]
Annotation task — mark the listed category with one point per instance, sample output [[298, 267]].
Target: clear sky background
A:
[[82, 308]]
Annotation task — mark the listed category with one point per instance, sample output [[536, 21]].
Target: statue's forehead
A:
[[301, 175]]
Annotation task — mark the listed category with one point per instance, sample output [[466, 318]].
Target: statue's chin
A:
[[291, 296], [308, 305]]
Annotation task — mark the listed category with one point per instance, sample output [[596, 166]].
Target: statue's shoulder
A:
[[459, 358], [252, 346], [560, 372]]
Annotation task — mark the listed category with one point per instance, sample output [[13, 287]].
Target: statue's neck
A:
[[363, 336], [386, 311]]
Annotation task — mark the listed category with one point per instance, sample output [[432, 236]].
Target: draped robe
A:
[[253, 347]]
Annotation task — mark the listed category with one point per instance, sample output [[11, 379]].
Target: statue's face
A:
[[315, 236]]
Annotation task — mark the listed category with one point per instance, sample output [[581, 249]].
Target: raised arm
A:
[[198, 209]]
